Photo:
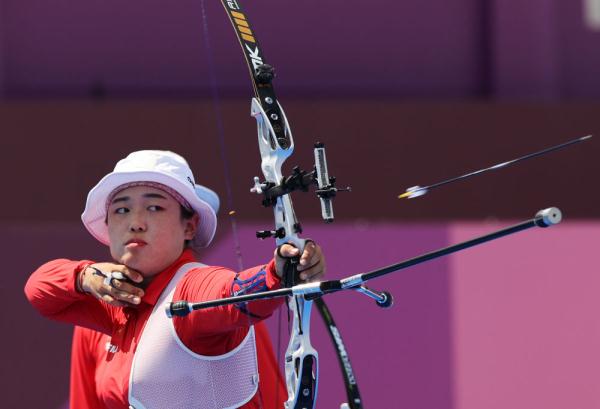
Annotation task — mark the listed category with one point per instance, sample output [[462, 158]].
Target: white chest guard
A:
[[165, 374]]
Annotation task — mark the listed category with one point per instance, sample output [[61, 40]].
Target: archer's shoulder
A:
[[206, 272], [204, 283]]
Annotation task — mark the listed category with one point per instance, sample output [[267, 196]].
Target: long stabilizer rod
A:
[[544, 218]]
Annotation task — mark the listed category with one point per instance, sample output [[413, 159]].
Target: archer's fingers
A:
[[130, 273], [122, 296], [288, 251], [109, 299], [133, 275], [314, 273], [312, 263], [312, 255], [127, 288]]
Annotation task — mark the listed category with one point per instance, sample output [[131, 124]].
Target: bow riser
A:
[[272, 158], [301, 359]]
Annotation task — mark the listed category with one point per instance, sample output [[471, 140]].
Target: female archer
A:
[[153, 216]]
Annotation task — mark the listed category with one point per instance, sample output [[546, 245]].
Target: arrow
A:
[[416, 191]]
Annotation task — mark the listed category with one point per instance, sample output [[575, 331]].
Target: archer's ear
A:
[[191, 226]]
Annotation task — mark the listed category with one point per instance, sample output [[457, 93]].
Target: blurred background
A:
[[402, 93]]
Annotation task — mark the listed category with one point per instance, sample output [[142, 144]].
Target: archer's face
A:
[[146, 230]]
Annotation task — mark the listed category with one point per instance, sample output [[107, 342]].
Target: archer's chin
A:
[[131, 260]]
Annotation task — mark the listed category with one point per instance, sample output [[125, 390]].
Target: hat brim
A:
[[94, 215]]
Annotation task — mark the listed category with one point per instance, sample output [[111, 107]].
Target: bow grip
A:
[[291, 275]]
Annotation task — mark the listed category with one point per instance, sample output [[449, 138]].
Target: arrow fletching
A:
[[413, 192]]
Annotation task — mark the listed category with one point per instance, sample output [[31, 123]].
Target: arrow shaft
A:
[[497, 166]]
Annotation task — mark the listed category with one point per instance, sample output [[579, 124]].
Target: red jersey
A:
[[101, 359]]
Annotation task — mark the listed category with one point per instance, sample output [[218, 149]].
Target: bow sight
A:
[[301, 180]]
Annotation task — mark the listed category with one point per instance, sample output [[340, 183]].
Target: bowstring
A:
[[216, 102]]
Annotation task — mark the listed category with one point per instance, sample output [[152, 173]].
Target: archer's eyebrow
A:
[[120, 199], [145, 195], [154, 196]]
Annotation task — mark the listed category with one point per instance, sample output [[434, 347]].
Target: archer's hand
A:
[[312, 265], [119, 292]]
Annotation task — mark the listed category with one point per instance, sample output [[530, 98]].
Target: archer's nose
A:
[[137, 224], [137, 228]]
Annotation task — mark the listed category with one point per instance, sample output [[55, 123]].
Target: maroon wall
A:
[[55, 152]]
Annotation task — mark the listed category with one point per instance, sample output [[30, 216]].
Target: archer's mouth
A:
[[135, 243]]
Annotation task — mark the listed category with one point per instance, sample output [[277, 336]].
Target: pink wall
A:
[[525, 328]]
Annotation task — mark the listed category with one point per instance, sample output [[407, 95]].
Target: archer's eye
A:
[[155, 208], [121, 210]]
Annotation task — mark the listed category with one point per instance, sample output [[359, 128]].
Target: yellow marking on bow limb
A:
[[238, 15], [248, 37], [240, 22], [245, 30], [403, 195]]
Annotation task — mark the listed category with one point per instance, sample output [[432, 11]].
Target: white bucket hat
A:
[[163, 167]]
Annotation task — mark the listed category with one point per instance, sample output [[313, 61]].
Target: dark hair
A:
[[186, 214]]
